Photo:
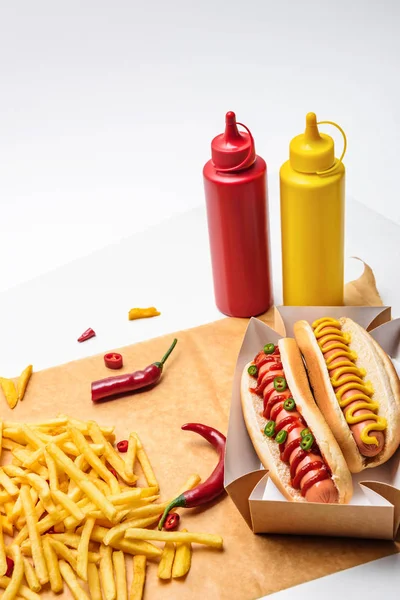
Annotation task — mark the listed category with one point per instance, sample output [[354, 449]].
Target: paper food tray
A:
[[374, 511]]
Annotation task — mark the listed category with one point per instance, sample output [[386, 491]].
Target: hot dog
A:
[[356, 388], [287, 429]]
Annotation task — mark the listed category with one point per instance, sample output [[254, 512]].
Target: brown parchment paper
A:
[[196, 386]]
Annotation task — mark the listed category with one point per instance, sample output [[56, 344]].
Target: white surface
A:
[[377, 579], [166, 266], [107, 110]]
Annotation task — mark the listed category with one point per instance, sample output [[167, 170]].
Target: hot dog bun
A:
[[268, 450], [379, 371]]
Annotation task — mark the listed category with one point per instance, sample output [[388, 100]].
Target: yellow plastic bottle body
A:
[[312, 226]]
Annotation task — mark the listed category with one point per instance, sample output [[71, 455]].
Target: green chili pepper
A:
[[307, 442], [280, 384], [305, 432], [252, 370], [281, 436], [289, 404], [269, 429], [269, 348]]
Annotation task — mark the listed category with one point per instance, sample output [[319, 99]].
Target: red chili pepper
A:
[[172, 521], [130, 382], [113, 360], [113, 471], [214, 485], [10, 566], [86, 335], [122, 446]]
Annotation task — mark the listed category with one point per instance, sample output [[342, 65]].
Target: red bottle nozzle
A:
[[233, 150], [232, 133]]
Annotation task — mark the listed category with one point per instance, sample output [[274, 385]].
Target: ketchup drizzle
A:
[[288, 423]]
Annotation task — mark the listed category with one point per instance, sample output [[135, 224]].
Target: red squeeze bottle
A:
[[235, 182]]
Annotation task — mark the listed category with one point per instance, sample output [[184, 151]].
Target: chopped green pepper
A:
[[269, 348], [307, 442], [281, 436], [289, 404], [305, 432], [252, 370], [280, 384], [269, 429]]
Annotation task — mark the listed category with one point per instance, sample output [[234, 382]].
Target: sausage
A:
[[321, 491], [368, 450]]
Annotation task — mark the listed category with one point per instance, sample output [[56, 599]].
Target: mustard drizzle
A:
[[354, 380]]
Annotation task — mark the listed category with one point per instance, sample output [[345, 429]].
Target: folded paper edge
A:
[[240, 491]]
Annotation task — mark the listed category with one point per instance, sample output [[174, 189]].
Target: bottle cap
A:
[[312, 151], [233, 150]]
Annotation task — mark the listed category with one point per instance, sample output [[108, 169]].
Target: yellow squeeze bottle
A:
[[312, 219]]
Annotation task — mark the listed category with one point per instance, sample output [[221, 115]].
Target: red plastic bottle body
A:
[[239, 241]]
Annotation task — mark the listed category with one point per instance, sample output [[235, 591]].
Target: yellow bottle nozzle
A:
[[311, 133]]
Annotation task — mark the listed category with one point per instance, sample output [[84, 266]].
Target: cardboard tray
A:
[[374, 511]]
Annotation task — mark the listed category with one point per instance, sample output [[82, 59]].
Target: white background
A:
[[107, 109]]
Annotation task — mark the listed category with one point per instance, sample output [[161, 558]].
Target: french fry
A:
[[23, 591], [56, 582], [83, 427], [59, 527], [191, 483], [81, 464], [34, 535], [52, 468], [119, 530], [139, 576], [31, 436], [144, 548], [183, 559], [138, 504], [86, 486], [1, 437], [69, 539], [8, 444], [17, 509], [4, 497], [130, 455], [64, 553], [208, 539], [102, 486], [145, 464], [7, 484], [70, 448], [3, 560], [83, 549], [30, 576], [107, 574], [68, 504], [18, 573], [94, 582], [15, 434], [93, 460], [6, 525], [120, 575], [111, 455], [10, 392], [167, 559], [24, 457], [23, 381], [69, 577], [129, 496]]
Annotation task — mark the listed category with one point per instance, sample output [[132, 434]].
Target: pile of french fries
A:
[[72, 513]]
